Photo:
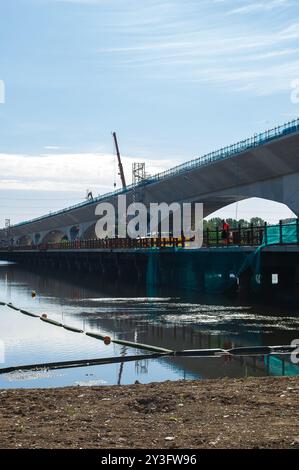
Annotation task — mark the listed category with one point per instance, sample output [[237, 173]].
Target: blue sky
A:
[[175, 79]]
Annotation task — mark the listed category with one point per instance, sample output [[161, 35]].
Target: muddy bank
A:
[[241, 413]]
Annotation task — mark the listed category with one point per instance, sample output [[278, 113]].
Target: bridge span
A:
[[264, 166]]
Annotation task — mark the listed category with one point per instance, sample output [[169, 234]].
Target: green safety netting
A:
[[276, 234], [273, 235], [220, 274]]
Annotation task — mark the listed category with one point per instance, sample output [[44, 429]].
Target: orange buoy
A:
[[107, 340]]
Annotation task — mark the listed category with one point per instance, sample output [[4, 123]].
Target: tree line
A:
[[216, 222]]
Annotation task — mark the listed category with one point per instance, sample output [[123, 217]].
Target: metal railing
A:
[[220, 154], [251, 235], [254, 235], [109, 243], [240, 236], [231, 150]]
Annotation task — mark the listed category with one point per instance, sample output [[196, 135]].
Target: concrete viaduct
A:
[[264, 166]]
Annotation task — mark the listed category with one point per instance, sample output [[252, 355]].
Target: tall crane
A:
[[120, 166]]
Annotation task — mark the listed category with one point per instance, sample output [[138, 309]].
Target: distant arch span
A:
[[55, 236]]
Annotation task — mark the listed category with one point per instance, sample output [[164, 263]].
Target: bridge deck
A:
[[233, 150]]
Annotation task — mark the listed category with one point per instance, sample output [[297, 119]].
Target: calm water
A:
[[173, 320]]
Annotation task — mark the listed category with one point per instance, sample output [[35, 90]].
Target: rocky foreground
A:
[[241, 413]]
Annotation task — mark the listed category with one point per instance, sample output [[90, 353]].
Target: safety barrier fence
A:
[[251, 235], [154, 351], [107, 243], [240, 236]]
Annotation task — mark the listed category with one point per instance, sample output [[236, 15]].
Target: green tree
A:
[[257, 221]]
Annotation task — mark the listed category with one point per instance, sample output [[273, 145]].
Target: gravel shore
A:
[[227, 413]]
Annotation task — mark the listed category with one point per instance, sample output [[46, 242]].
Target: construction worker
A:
[[225, 232]]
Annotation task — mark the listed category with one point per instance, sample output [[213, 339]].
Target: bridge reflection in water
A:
[[171, 319]]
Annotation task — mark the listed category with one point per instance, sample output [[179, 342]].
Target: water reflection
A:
[[170, 319]]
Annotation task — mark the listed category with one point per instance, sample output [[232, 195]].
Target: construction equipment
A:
[[88, 195], [120, 166], [138, 172]]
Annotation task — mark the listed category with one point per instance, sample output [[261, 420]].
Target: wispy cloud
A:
[[51, 147], [67, 172], [236, 54], [262, 6], [83, 1]]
